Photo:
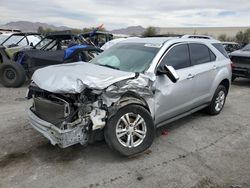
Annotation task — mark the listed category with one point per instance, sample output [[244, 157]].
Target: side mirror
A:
[[168, 71]]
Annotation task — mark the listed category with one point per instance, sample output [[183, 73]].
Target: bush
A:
[[149, 32]]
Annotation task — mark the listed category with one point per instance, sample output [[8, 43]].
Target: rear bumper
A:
[[63, 138]]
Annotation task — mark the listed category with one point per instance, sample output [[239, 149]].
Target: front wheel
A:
[[218, 101], [130, 131]]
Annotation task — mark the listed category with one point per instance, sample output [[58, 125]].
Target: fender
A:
[[221, 75], [127, 99], [4, 58]]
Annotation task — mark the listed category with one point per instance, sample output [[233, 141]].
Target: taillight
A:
[[232, 65]]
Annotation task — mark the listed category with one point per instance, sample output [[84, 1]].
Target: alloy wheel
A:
[[131, 130], [220, 100]]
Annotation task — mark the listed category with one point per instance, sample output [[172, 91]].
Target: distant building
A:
[[9, 30], [212, 31]]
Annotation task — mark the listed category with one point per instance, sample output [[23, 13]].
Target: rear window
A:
[[199, 54], [222, 50], [212, 56]]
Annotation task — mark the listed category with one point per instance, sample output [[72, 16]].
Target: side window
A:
[[199, 54], [221, 49], [212, 56], [177, 57]]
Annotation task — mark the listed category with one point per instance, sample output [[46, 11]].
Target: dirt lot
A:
[[196, 151]]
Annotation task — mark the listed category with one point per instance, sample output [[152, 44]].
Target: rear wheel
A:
[[218, 101], [12, 75], [130, 131]]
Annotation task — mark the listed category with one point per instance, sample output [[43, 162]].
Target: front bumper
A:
[[241, 72], [63, 138]]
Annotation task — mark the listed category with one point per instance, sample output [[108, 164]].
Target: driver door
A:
[[172, 99]]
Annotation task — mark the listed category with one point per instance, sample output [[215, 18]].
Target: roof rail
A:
[[197, 37], [167, 35]]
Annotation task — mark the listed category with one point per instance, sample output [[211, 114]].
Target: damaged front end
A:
[[66, 119]]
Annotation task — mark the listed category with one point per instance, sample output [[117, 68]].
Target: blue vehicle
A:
[[54, 48]]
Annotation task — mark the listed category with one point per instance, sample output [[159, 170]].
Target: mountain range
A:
[[27, 26]]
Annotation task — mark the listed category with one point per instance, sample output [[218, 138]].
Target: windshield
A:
[[129, 57], [43, 43], [246, 48], [14, 39], [3, 38], [34, 39]]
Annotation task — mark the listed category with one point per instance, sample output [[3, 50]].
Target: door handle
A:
[[190, 76], [215, 67]]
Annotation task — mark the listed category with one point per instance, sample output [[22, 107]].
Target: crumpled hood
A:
[[75, 77], [240, 53]]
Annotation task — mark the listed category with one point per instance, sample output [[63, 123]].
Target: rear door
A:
[[203, 65]]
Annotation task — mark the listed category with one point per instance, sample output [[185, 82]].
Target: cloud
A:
[[116, 14], [226, 13]]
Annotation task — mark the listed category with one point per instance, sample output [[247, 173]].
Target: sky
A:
[[122, 13]]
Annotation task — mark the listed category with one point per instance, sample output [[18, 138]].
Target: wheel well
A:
[[15, 55], [225, 83], [127, 99], [134, 98]]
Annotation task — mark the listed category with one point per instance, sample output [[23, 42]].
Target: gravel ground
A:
[[197, 151]]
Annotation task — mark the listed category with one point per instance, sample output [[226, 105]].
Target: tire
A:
[[12, 75], [218, 101], [116, 123]]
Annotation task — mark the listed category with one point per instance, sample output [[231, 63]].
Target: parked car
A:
[[4, 36], [19, 39], [11, 43], [54, 48], [111, 43], [128, 91], [4, 31], [241, 62], [231, 46], [98, 38]]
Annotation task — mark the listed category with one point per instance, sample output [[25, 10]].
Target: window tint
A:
[[177, 57], [221, 49], [199, 54], [212, 56]]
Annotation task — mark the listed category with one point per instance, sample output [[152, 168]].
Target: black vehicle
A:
[[98, 38], [241, 62], [231, 46], [54, 48]]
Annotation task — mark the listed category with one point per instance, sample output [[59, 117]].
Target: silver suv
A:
[[128, 91]]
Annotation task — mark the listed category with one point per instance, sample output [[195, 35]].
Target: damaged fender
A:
[[139, 90]]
